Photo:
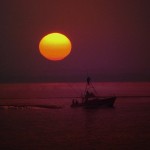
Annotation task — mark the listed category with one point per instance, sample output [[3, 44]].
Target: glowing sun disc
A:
[[55, 46]]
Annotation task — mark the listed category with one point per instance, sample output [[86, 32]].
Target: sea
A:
[[45, 120]]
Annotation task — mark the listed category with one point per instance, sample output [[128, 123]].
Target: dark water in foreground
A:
[[126, 126]]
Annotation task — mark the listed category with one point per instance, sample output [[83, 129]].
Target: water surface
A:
[[126, 126]]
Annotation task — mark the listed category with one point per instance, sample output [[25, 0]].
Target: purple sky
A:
[[110, 40]]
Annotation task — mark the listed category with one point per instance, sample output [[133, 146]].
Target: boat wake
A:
[[25, 107]]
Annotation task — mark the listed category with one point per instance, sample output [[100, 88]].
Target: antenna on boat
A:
[[89, 85]]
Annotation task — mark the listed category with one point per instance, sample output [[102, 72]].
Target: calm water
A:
[[126, 126]]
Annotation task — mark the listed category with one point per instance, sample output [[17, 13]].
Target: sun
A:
[[55, 46]]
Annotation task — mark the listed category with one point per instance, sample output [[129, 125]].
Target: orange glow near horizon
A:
[[55, 46]]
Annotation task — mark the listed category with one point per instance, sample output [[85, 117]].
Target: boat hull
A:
[[96, 102]]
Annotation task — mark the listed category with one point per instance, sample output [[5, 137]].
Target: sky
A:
[[110, 40]]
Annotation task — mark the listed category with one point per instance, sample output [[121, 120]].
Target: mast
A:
[[89, 86]]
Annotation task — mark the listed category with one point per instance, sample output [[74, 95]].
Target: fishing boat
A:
[[91, 100]]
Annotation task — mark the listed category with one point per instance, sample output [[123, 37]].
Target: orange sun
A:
[[55, 46]]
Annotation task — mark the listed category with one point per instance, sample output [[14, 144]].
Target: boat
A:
[[91, 100]]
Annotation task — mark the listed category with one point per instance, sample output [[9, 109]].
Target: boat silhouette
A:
[[91, 100]]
